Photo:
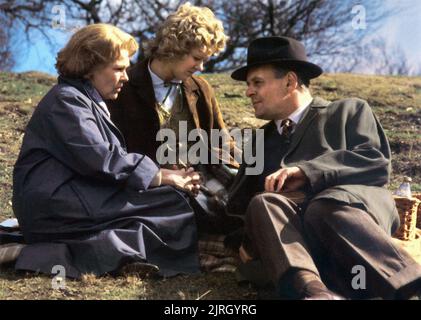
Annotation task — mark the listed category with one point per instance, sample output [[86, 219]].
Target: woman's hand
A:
[[185, 179], [285, 179]]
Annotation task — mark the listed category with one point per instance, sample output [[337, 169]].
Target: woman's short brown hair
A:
[[188, 28], [91, 47]]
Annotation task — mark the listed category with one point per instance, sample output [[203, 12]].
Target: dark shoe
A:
[[411, 291], [234, 239], [10, 252], [412, 296], [140, 269]]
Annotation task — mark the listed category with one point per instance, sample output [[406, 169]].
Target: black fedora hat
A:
[[282, 51]]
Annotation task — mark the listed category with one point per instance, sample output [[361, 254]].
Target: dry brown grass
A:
[[396, 101]]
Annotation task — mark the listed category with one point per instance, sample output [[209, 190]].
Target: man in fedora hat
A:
[[337, 156]]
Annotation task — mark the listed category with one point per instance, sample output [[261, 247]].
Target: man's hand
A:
[[286, 180], [185, 179]]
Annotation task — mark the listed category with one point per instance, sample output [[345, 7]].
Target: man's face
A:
[[270, 96], [109, 80], [190, 63]]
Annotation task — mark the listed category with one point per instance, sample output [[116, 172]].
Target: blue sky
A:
[[38, 54], [403, 30]]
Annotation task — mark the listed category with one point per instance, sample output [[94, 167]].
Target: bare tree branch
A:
[[325, 26]]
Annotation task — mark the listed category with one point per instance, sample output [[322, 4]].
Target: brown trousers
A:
[[336, 241]]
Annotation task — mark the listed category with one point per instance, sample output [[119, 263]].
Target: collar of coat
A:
[[315, 106], [87, 89], [309, 116], [83, 85]]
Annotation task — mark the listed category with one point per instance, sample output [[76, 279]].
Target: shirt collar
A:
[[156, 80], [295, 116]]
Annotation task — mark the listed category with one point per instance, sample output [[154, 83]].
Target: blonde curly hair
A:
[[91, 47], [189, 28]]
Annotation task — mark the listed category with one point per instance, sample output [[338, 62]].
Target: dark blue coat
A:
[[75, 185]]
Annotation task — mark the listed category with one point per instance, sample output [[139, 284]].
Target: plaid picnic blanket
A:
[[214, 257]]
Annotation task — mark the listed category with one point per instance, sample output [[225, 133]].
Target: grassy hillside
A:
[[395, 100]]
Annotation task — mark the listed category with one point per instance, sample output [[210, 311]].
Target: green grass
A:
[[23, 87], [416, 187], [395, 100], [18, 95]]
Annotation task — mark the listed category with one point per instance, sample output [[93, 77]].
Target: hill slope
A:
[[395, 100]]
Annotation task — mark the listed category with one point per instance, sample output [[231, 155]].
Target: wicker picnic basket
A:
[[407, 209]]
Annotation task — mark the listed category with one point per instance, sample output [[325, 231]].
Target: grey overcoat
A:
[[342, 149], [85, 203]]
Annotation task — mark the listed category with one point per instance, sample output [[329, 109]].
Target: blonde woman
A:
[[83, 202], [163, 92]]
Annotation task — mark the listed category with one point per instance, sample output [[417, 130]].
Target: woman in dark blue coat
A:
[[82, 201]]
